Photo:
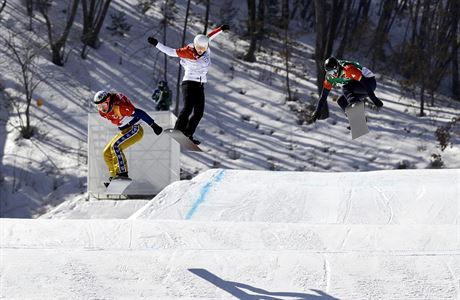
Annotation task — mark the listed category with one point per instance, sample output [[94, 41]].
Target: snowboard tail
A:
[[357, 119], [118, 185], [184, 141]]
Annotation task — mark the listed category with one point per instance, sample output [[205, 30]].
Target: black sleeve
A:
[[322, 100], [364, 82], [369, 85], [140, 114]]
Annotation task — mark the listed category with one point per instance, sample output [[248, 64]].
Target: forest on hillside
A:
[[415, 41]]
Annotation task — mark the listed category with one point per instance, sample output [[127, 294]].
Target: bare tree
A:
[[362, 13], [228, 13], [346, 28], [320, 26], [422, 51], [30, 13], [94, 12], [306, 12], [425, 58], [24, 53], [184, 33], [333, 26], [206, 19], [390, 10], [168, 18], [455, 8], [299, 4], [260, 29], [285, 24], [353, 23], [255, 25], [442, 50], [58, 44], [250, 55], [409, 60], [3, 6], [326, 33]]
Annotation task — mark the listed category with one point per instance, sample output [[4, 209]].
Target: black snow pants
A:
[[355, 91], [193, 93]]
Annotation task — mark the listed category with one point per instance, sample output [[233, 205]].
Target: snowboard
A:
[[357, 119], [118, 185], [184, 141]]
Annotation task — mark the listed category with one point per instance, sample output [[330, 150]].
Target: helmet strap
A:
[[111, 100]]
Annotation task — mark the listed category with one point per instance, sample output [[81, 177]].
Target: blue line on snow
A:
[[204, 191]]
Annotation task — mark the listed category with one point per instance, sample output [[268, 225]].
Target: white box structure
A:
[[153, 162]]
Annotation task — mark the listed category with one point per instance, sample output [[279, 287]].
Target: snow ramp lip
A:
[[375, 197]]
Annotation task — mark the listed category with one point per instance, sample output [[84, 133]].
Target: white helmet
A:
[[201, 41], [100, 97]]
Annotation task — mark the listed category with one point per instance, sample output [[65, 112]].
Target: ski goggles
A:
[[104, 106], [201, 49], [332, 72]]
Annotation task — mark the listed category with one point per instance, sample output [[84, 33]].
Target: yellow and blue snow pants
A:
[[113, 151]]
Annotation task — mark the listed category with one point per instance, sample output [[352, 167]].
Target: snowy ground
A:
[[247, 122], [226, 233], [252, 235], [381, 197]]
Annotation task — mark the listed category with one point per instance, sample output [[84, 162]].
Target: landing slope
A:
[[378, 197]]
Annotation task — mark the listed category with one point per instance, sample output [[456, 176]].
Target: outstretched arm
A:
[[140, 114], [217, 31], [184, 52], [321, 103], [370, 92], [166, 50], [327, 86]]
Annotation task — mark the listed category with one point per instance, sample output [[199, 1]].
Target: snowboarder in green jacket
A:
[[357, 82]]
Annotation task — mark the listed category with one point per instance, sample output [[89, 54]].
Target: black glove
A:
[[377, 102], [156, 128], [225, 27], [152, 40]]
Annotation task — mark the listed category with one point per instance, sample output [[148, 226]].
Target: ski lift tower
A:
[[153, 162]]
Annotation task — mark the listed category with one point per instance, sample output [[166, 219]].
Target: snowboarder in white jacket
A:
[[195, 58]]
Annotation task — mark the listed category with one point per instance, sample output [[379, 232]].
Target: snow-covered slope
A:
[[225, 233], [84, 208], [379, 197], [134, 259], [253, 235], [247, 122]]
